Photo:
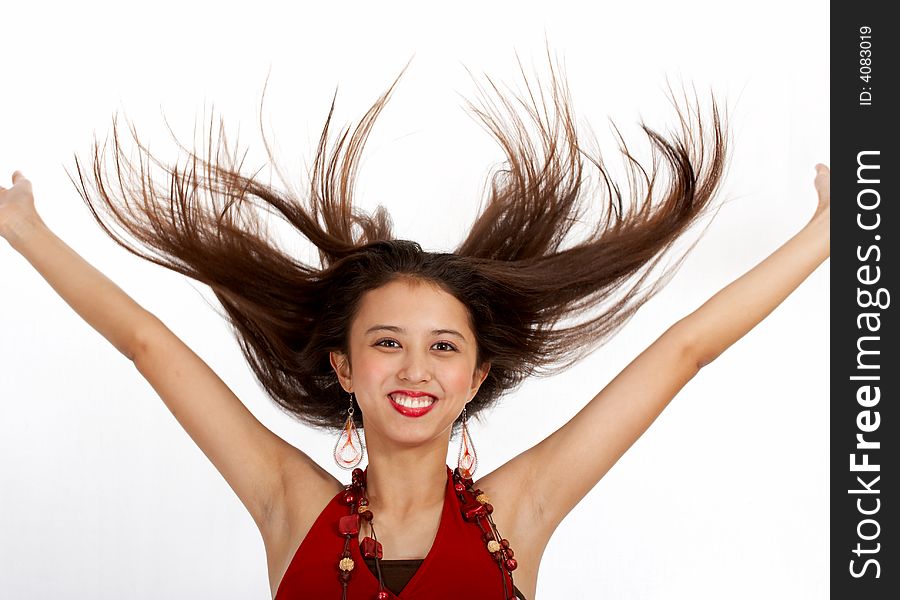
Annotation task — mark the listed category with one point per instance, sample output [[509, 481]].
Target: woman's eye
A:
[[443, 346]]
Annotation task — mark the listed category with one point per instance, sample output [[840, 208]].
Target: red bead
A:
[[472, 511], [459, 487], [487, 535], [511, 564], [371, 548], [349, 525], [367, 515], [509, 553], [349, 497], [504, 542], [463, 475], [344, 576], [382, 596], [489, 508]]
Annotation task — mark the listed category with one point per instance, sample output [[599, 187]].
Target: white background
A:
[[103, 495]]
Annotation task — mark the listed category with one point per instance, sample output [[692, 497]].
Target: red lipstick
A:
[[409, 411]]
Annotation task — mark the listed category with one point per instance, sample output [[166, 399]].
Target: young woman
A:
[[408, 344]]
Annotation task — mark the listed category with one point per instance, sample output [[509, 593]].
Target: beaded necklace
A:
[[474, 505]]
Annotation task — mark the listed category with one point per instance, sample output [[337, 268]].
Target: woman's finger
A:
[[17, 175], [823, 178]]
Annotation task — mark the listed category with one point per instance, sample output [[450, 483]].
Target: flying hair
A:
[[537, 301]]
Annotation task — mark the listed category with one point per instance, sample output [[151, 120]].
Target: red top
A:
[[458, 562]]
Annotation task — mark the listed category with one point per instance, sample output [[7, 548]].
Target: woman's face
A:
[[413, 362]]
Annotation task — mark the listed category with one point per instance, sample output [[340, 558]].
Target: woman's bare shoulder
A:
[[514, 514], [307, 489], [307, 486]]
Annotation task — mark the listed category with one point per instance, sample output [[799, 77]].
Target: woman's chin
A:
[[411, 435]]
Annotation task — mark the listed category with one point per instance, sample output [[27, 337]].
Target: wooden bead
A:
[[472, 511], [349, 525], [482, 498], [346, 564], [371, 548]]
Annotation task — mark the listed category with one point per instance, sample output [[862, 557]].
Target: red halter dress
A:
[[457, 566]]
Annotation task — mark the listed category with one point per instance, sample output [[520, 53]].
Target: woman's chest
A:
[[455, 548], [408, 536]]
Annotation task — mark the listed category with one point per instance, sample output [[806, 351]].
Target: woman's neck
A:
[[405, 480]]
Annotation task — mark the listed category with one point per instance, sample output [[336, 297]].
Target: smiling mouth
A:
[[411, 407], [410, 402]]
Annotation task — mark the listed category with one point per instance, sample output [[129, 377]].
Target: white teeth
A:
[[409, 402]]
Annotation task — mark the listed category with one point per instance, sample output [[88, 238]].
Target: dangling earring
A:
[[348, 451], [468, 459]]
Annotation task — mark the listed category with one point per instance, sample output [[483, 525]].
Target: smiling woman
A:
[[432, 351], [407, 344]]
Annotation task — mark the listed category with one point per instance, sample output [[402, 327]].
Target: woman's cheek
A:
[[459, 380]]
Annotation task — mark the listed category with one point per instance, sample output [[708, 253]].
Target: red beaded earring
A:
[[468, 459], [348, 451]]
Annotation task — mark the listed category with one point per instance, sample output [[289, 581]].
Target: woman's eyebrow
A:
[[396, 329]]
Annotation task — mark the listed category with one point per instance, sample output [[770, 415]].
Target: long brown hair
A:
[[536, 305]]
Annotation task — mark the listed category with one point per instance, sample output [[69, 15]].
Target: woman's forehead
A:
[[405, 306]]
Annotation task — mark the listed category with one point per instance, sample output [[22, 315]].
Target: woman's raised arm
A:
[[250, 457], [91, 294], [557, 473]]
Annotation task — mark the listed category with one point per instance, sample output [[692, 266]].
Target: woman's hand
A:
[[16, 205], [823, 187]]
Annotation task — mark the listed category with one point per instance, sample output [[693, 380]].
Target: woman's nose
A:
[[415, 367]]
